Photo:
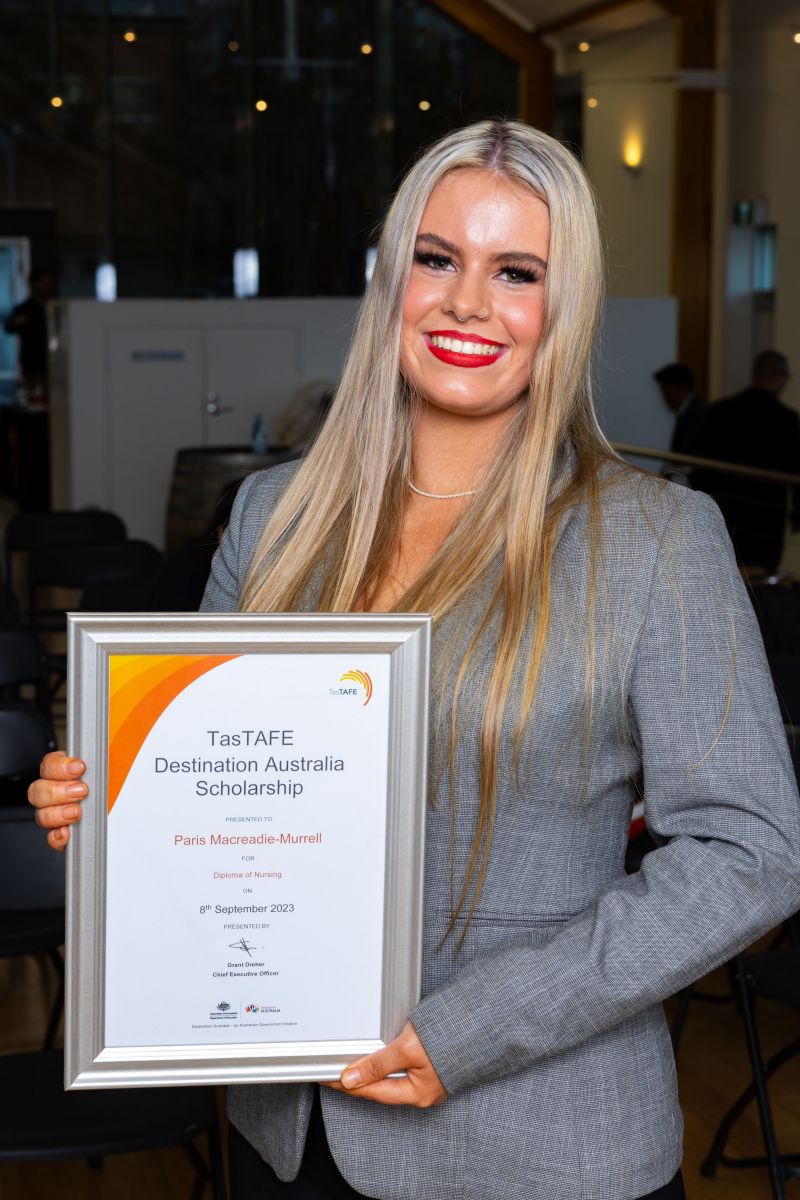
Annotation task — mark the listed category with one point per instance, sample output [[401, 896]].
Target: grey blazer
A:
[[547, 1028]]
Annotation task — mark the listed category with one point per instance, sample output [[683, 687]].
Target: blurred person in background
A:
[[755, 429], [29, 322], [586, 618], [676, 384], [303, 415]]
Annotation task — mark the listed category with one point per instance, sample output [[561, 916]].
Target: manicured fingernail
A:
[[71, 812], [75, 766], [76, 789], [60, 835], [351, 1078]]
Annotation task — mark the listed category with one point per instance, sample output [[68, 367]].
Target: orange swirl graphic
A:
[[360, 677], [141, 687]]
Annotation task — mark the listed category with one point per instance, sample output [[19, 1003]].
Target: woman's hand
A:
[[56, 794], [367, 1077]]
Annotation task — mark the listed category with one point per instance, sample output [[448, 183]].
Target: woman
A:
[[592, 638]]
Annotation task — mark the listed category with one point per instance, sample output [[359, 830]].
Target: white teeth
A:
[[465, 347]]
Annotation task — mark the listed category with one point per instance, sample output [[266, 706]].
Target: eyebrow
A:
[[520, 256]]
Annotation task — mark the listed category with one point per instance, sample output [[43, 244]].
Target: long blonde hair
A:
[[338, 523]]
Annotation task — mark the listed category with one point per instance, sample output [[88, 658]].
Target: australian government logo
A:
[[225, 1012], [361, 684]]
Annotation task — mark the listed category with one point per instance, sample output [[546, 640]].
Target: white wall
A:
[[630, 75], [639, 336], [763, 161]]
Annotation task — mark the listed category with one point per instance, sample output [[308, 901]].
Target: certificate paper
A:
[[257, 785], [254, 846]]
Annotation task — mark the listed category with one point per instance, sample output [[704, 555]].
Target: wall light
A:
[[425, 105], [584, 47], [366, 48], [632, 153], [105, 282], [245, 273], [592, 102], [262, 105], [130, 35], [56, 102]]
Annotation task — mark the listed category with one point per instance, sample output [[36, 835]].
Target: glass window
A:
[[188, 129]]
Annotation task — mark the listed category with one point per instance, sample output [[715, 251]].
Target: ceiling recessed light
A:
[[130, 35], [262, 105], [56, 102], [592, 102], [366, 48], [584, 46], [233, 46], [424, 105]]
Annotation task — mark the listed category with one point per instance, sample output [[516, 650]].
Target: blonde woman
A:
[[592, 640]]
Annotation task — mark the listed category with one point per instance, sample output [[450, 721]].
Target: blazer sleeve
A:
[[252, 508], [720, 798]]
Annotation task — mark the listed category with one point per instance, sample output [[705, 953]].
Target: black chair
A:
[[41, 1122], [25, 737], [774, 975], [29, 531], [124, 568], [90, 1124], [24, 663], [31, 899], [778, 611], [88, 566], [9, 607]]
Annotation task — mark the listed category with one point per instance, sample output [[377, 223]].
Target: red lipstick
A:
[[456, 358]]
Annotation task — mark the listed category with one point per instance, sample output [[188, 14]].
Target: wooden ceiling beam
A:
[[491, 26], [579, 16], [535, 59]]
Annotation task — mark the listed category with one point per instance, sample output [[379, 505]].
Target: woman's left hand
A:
[[367, 1077]]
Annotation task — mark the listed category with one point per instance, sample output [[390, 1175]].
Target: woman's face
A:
[[472, 314]]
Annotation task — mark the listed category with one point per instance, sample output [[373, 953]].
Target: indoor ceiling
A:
[[618, 18]]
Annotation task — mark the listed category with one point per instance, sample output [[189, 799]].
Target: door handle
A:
[[214, 408]]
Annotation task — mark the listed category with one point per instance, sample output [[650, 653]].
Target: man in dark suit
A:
[[754, 428], [676, 384]]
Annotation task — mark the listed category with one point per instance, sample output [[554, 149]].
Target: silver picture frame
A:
[[405, 638]]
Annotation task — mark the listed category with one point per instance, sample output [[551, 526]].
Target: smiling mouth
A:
[[462, 351]]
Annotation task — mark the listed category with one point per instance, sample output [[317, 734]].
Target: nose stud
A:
[[482, 316]]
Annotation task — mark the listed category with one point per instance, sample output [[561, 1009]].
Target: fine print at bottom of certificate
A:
[[247, 808]]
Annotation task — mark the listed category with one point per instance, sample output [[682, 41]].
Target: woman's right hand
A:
[[56, 795]]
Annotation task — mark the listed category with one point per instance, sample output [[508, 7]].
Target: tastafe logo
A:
[[362, 678]]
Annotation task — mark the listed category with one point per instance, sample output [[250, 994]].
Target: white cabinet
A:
[[135, 381]]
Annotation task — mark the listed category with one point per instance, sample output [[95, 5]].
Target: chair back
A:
[[778, 612], [785, 670], [31, 874], [23, 660], [91, 564], [25, 738], [27, 530]]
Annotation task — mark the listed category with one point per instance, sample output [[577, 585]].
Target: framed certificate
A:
[[244, 891]]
